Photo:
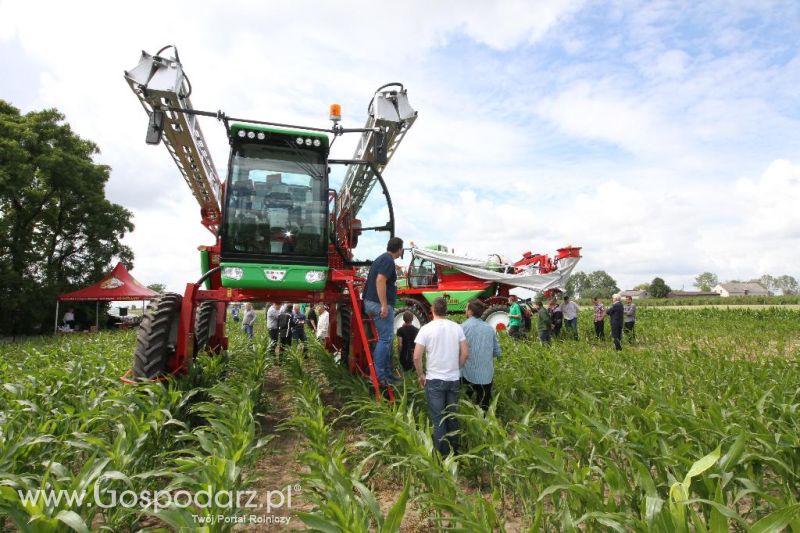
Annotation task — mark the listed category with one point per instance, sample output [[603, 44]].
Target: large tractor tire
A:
[[157, 337], [205, 326], [497, 317], [418, 319]]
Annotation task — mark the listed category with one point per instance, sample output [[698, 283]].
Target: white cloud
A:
[[165, 244], [618, 117], [631, 146], [771, 203], [505, 25], [672, 64]]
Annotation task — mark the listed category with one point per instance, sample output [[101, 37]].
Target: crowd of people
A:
[[556, 320], [446, 356], [286, 324]]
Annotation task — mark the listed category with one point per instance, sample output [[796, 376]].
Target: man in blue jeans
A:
[[380, 293], [445, 345]]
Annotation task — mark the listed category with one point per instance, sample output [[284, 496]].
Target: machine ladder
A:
[[366, 334], [162, 87], [390, 117]]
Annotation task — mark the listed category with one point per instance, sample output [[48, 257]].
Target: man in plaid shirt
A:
[[599, 318]]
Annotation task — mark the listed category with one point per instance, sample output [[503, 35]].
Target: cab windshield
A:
[[276, 203]]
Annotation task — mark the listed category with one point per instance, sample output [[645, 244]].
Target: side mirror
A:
[[155, 127]]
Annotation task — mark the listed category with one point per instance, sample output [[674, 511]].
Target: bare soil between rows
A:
[[280, 469]]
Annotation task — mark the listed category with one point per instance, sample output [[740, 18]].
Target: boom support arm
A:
[[161, 86], [390, 117]]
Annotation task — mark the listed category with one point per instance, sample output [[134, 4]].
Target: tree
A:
[[576, 284], [642, 287], [597, 283], [601, 285], [768, 282], [787, 284], [157, 287], [706, 281], [57, 229], [659, 288]]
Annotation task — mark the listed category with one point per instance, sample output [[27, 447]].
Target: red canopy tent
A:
[[117, 285]]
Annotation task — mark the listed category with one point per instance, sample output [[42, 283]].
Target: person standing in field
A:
[[630, 319], [323, 322], [273, 313], [299, 327], [235, 312], [444, 345], [284, 329], [514, 317], [599, 318], [556, 317], [525, 320], [615, 313], [248, 320], [406, 335], [69, 318], [311, 318], [380, 293], [570, 310], [543, 322], [478, 372]]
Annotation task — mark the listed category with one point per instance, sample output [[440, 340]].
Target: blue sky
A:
[[660, 136]]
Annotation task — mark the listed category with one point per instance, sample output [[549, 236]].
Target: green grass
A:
[[696, 427], [791, 299], [67, 422]]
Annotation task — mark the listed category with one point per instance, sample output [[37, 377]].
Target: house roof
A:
[[682, 294], [749, 287], [633, 292], [117, 285]]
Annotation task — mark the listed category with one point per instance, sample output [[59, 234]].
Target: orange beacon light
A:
[[336, 112]]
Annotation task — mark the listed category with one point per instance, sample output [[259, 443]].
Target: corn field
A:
[[68, 424], [694, 427]]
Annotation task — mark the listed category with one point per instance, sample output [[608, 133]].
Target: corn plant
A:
[[694, 427], [343, 502]]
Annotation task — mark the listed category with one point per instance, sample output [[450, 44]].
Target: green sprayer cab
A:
[[275, 229]]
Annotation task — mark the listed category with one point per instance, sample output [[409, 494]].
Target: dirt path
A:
[[279, 490], [279, 473]]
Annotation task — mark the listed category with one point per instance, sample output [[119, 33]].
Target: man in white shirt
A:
[[323, 320], [570, 310], [69, 318], [445, 346], [273, 313]]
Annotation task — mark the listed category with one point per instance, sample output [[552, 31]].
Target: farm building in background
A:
[[740, 289], [635, 294], [691, 294]]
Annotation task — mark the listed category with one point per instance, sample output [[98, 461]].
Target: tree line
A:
[[599, 284], [785, 283], [58, 232]]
